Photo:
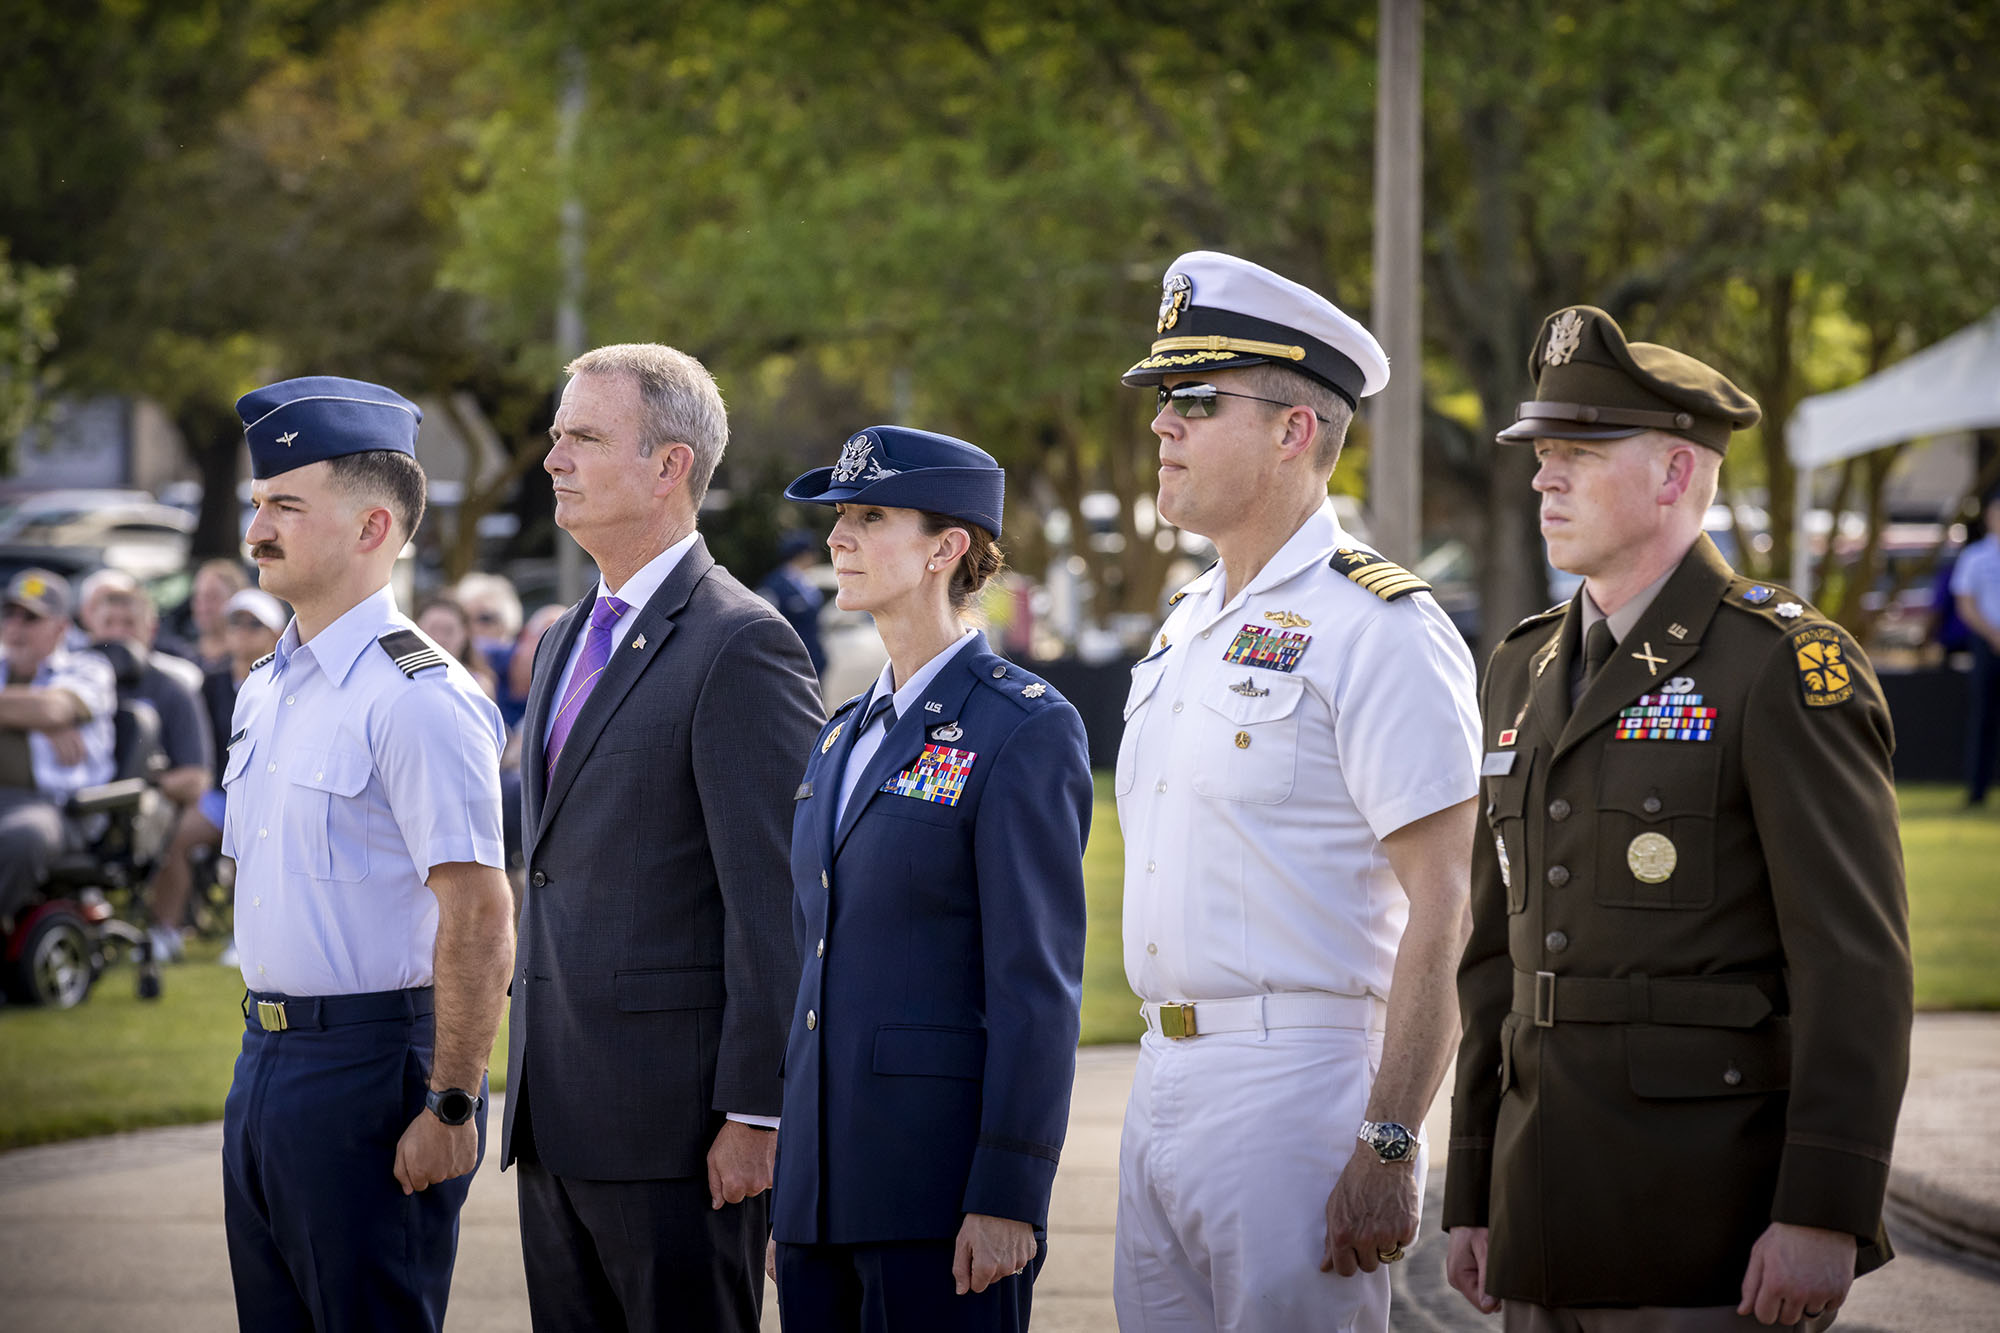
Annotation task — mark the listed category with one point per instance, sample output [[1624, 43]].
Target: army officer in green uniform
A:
[[1687, 994]]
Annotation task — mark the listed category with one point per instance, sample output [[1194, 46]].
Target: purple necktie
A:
[[596, 652]]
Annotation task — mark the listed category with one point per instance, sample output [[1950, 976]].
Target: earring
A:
[[932, 566]]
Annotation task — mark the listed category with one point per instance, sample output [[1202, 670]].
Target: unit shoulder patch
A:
[[411, 651], [1826, 677], [1385, 578]]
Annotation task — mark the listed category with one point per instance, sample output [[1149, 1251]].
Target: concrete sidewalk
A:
[[124, 1234]]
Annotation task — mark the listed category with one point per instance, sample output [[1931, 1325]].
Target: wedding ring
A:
[[1389, 1256]]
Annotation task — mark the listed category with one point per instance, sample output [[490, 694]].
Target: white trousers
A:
[[1232, 1143]]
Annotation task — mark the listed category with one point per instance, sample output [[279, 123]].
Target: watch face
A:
[[1392, 1143], [453, 1106]]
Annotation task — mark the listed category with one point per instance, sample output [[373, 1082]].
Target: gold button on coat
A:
[[1242, 740]]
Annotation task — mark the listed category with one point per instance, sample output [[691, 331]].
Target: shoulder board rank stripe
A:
[[263, 661], [411, 652], [1175, 600], [1384, 578]]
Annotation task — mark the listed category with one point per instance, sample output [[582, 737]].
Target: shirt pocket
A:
[[1506, 806], [1145, 680], [1656, 824], [238, 761], [1248, 749], [325, 827]]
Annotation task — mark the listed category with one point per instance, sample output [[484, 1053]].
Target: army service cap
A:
[[899, 467], [1591, 384], [295, 422], [1218, 312]]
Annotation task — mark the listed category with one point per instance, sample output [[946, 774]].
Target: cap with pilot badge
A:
[[1591, 384], [295, 422], [910, 469], [1218, 312]]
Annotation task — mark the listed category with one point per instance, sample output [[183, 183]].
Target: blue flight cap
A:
[[910, 469], [295, 422]]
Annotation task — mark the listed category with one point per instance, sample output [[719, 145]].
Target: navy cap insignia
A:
[[287, 438], [1564, 338], [857, 462], [1174, 294], [1758, 595]]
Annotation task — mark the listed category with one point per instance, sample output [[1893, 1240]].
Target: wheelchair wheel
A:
[[57, 963]]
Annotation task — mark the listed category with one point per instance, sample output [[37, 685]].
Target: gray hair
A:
[[679, 399], [1289, 386], [115, 581], [496, 594]]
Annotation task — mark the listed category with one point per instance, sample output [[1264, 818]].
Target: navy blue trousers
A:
[[906, 1287], [321, 1236], [1982, 733]]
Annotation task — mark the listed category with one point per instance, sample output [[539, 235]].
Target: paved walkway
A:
[[124, 1234]]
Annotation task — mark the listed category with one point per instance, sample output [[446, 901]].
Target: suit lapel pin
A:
[[639, 642]]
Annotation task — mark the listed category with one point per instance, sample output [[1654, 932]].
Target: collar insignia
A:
[[831, 737], [1652, 662]]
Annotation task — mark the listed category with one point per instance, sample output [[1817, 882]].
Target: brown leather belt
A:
[[1735, 1000]]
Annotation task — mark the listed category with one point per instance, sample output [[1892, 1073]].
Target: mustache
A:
[[267, 549]]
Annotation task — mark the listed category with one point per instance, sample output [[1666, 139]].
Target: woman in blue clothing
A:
[[937, 851]]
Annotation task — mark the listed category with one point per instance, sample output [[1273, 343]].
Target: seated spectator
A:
[[495, 611], [194, 629], [445, 621], [252, 622], [121, 623], [56, 733]]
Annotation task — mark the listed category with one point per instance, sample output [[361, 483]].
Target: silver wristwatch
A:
[[1391, 1142]]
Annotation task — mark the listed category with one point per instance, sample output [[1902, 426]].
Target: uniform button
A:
[[256, 902], [999, 673], [270, 768], [291, 699], [812, 1020], [1651, 805], [1242, 740], [1556, 941], [821, 951], [1178, 705], [260, 969], [539, 879], [1161, 785], [263, 833], [1559, 809], [1558, 876], [1151, 866], [1492, 809], [823, 881], [1204, 634], [319, 777], [1732, 1076], [1152, 948]]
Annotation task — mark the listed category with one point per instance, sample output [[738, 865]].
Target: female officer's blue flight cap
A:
[[910, 469], [295, 422]]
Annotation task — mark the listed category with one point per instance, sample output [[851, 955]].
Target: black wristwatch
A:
[[1391, 1142], [454, 1106]]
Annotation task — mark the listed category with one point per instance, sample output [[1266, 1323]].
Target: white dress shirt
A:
[[635, 593], [348, 781], [1254, 801], [870, 738]]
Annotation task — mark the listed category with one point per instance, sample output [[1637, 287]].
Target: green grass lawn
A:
[[114, 1063]]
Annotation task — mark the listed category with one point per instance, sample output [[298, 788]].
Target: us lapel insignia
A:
[[1678, 630], [1548, 654], [1652, 663], [933, 706], [1035, 691], [1273, 650], [831, 737], [1287, 619], [938, 775], [1247, 687], [639, 642], [950, 731]]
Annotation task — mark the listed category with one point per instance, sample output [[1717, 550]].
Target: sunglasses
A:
[[1198, 400]]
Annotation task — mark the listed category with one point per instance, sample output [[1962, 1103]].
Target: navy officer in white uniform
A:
[[937, 868], [374, 923], [1296, 789]]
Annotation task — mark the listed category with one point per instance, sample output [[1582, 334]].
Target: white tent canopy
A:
[[1952, 385]]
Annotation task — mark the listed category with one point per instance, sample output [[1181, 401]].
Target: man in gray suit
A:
[[667, 726]]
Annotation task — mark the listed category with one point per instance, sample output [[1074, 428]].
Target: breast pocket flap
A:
[[938, 1052], [1145, 679], [341, 772], [1261, 696], [239, 760], [669, 988]]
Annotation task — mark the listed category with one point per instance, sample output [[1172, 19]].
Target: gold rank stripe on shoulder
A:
[[411, 652], [1385, 578]]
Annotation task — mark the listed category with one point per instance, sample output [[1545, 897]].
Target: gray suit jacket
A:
[[656, 971]]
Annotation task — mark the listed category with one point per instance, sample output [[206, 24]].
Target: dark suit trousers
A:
[[637, 1254], [899, 1288]]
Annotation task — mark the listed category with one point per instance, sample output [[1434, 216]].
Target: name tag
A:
[[1499, 763]]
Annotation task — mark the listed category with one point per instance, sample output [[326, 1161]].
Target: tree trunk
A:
[[213, 438]]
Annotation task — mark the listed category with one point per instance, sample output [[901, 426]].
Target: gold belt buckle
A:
[[271, 1015], [1177, 1021]]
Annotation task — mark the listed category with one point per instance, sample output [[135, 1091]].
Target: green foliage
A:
[[30, 299]]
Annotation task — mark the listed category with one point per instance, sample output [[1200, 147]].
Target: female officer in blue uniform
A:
[[937, 852]]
